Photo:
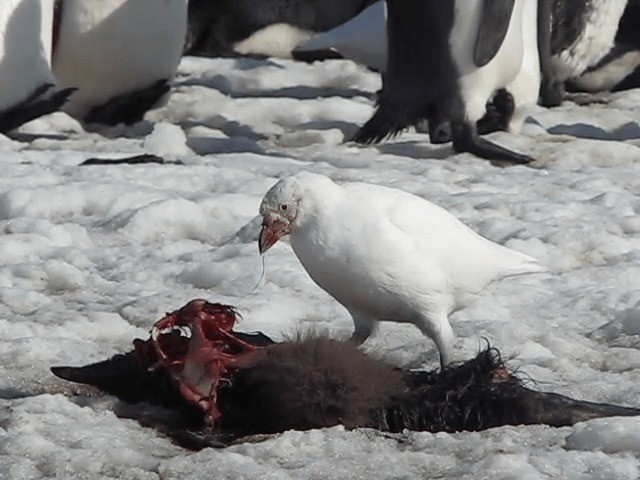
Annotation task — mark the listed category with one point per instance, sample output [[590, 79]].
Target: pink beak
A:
[[272, 231]]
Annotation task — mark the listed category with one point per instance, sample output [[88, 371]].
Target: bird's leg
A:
[[438, 328], [364, 327]]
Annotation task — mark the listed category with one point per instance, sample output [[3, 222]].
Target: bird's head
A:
[[279, 210]]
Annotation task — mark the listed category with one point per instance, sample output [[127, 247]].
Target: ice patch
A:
[[610, 435]]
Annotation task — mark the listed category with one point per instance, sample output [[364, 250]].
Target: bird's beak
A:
[[272, 231]]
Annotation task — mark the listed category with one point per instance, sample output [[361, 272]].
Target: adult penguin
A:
[[121, 55], [445, 61], [27, 86]]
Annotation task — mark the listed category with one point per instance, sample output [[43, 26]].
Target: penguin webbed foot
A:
[[499, 113], [551, 93], [34, 106], [130, 107], [439, 124], [466, 139]]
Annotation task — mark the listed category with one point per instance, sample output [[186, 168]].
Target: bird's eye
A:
[[284, 207]]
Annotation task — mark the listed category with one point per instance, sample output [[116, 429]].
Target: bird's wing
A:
[[411, 215], [430, 234], [496, 15]]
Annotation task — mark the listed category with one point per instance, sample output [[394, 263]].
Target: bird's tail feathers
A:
[[529, 265], [387, 122]]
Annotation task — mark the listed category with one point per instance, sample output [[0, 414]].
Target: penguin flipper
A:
[[494, 23]]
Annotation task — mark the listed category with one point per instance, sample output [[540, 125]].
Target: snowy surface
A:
[[91, 256]]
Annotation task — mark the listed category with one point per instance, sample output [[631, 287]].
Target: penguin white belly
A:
[[110, 47], [25, 48], [277, 40], [477, 84], [607, 76], [595, 39], [526, 86]]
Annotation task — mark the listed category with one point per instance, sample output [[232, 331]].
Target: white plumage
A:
[[108, 48], [25, 49], [385, 254]]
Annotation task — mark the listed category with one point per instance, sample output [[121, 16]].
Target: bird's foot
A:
[[551, 93], [465, 139], [499, 113], [39, 103], [130, 107]]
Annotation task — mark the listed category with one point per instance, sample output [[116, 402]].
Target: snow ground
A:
[[91, 256]]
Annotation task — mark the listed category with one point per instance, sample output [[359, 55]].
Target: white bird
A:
[[385, 254]]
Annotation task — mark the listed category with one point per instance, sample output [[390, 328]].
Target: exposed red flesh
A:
[[196, 346]]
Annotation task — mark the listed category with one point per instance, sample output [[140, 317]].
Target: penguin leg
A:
[[499, 113], [130, 107], [364, 325], [439, 125], [34, 106], [551, 90]]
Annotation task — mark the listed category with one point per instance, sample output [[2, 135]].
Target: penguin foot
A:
[[130, 107], [439, 132], [439, 124], [551, 93], [34, 106], [466, 139], [499, 113]]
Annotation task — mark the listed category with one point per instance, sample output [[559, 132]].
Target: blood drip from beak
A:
[[270, 234]]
